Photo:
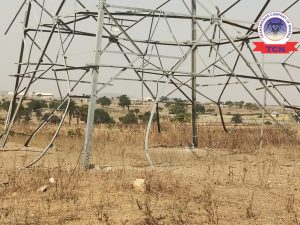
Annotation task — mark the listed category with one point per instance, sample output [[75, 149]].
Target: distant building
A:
[[10, 94], [275, 114], [148, 99], [136, 102], [44, 96], [38, 95]]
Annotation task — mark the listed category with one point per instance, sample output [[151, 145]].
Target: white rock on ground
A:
[[139, 185], [51, 180]]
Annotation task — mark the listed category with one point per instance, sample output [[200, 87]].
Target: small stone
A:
[[51, 180], [4, 183], [107, 169], [43, 188], [14, 194], [139, 185]]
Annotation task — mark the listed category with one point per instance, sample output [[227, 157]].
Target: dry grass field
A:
[[228, 180]]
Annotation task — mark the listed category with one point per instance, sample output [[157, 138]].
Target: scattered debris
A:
[[4, 183], [108, 169], [43, 188]]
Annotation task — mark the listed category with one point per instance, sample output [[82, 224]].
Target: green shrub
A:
[[104, 101], [146, 116], [268, 123], [199, 108], [35, 105], [237, 119], [54, 118], [183, 117], [101, 116], [124, 101], [130, 118], [75, 132]]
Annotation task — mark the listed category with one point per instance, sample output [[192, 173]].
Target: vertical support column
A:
[[158, 119], [13, 102], [95, 74], [27, 17], [261, 138], [194, 79]]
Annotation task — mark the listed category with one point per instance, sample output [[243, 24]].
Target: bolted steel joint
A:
[[55, 19], [215, 19]]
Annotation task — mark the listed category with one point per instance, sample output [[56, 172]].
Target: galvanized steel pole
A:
[[194, 79], [93, 97]]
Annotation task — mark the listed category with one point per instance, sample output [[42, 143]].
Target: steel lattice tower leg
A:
[[194, 79], [93, 97]]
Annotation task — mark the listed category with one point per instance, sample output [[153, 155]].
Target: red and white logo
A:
[[275, 29]]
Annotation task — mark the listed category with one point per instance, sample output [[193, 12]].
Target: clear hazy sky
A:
[[246, 10]]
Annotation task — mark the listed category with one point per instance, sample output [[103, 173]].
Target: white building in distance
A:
[[35, 95], [44, 96], [148, 99]]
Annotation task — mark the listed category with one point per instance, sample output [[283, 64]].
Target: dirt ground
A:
[[201, 186]]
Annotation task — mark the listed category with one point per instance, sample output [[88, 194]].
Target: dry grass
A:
[[230, 182], [243, 138]]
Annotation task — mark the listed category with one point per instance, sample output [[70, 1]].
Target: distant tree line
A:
[[242, 104], [175, 106]]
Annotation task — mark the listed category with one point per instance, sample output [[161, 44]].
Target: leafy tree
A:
[[146, 116], [199, 108], [130, 118], [255, 107], [35, 105], [83, 112], [180, 110], [296, 116], [164, 99], [38, 114], [54, 104], [239, 104], [54, 119], [135, 111], [104, 101], [21, 112], [72, 110], [237, 118], [178, 107], [5, 105], [229, 104], [124, 101], [183, 117], [268, 123], [251, 106], [27, 115], [101, 116]]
